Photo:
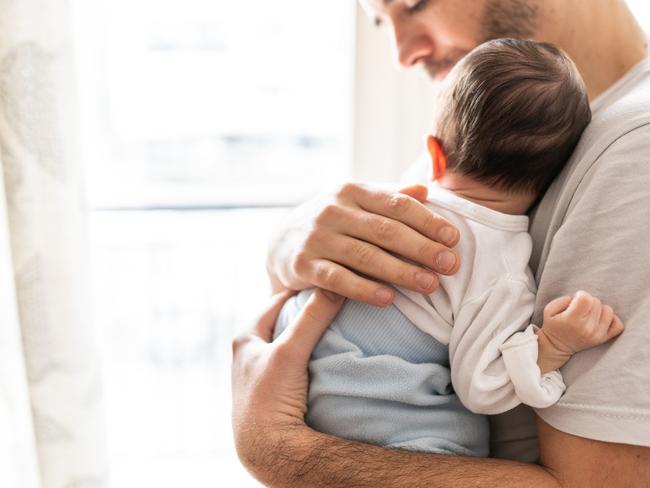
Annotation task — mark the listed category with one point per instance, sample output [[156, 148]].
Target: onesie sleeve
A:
[[493, 352]]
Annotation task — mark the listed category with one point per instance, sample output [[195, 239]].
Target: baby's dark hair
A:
[[513, 115]]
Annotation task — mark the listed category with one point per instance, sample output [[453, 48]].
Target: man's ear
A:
[[438, 157]]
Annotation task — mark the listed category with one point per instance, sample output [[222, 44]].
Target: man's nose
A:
[[411, 46]]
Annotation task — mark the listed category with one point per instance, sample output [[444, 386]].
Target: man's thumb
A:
[[419, 192], [310, 324]]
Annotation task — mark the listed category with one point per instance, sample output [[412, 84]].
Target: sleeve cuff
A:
[[532, 387]]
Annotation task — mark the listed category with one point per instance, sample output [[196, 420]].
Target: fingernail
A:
[[447, 236], [384, 296], [446, 261], [424, 279]]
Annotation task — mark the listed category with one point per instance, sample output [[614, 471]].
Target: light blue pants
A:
[[376, 378]]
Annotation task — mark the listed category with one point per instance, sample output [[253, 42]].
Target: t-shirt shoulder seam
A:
[[617, 412], [614, 141], [599, 158]]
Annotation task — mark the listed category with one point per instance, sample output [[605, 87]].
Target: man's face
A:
[[437, 33]]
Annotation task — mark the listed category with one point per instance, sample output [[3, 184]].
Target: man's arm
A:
[[578, 462], [303, 457], [269, 403]]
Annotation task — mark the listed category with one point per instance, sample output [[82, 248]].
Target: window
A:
[[201, 120], [641, 9], [220, 103]]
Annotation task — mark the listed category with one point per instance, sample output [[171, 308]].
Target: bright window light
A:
[[198, 116], [215, 102]]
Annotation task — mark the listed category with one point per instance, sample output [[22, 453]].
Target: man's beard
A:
[[500, 19], [509, 18]]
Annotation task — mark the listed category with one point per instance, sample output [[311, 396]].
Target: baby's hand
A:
[[573, 324]]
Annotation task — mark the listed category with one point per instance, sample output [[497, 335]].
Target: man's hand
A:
[[270, 379], [391, 237], [573, 324]]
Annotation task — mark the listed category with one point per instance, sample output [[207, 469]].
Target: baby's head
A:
[[509, 117]]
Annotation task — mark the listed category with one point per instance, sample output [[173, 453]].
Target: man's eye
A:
[[412, 9], [418, 7]]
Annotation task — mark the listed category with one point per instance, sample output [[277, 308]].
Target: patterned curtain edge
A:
[[19, 464]]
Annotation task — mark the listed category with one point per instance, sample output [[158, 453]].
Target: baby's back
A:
[[493, 246], [376, 378]]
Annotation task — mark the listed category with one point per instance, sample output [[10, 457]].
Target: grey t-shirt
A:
[[591, 231]]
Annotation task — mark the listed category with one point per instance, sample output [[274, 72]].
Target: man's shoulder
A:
[[617, 147], [621, 122], [624, 105], [613, 148]]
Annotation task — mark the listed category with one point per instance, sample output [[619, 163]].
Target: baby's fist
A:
[[573, 324]]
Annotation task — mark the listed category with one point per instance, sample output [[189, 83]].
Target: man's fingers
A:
[[375, 262], [306, 330], [389, 236], [615, 328], [264, 325], [410, 212], [396, 237], [419, 192], [340, 280]]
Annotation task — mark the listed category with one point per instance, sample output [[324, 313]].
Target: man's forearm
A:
[[307, 458]]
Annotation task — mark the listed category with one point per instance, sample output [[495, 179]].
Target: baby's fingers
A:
[[615, 328], [582, 306], [606, 316], [556, 306]]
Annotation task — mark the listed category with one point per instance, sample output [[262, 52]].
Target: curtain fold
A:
[[51, 388]]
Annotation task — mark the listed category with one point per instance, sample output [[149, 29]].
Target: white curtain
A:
[[51, 431]]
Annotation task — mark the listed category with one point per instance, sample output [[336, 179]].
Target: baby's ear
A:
[[438, 157]]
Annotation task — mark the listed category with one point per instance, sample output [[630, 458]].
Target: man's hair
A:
[[513, 115]]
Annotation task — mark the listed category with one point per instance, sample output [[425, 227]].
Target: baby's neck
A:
[[487, 196]]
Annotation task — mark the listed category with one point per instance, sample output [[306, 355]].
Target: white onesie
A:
[[483, 312]]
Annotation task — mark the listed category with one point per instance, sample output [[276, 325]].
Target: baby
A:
[[508, 118]]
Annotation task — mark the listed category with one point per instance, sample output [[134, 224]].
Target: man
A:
[[590, 231]]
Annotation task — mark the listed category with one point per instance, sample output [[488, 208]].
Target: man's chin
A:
[[438, 74], [439, 69], [442, 74]]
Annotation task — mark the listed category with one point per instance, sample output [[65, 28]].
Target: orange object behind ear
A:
[[438, 157]]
